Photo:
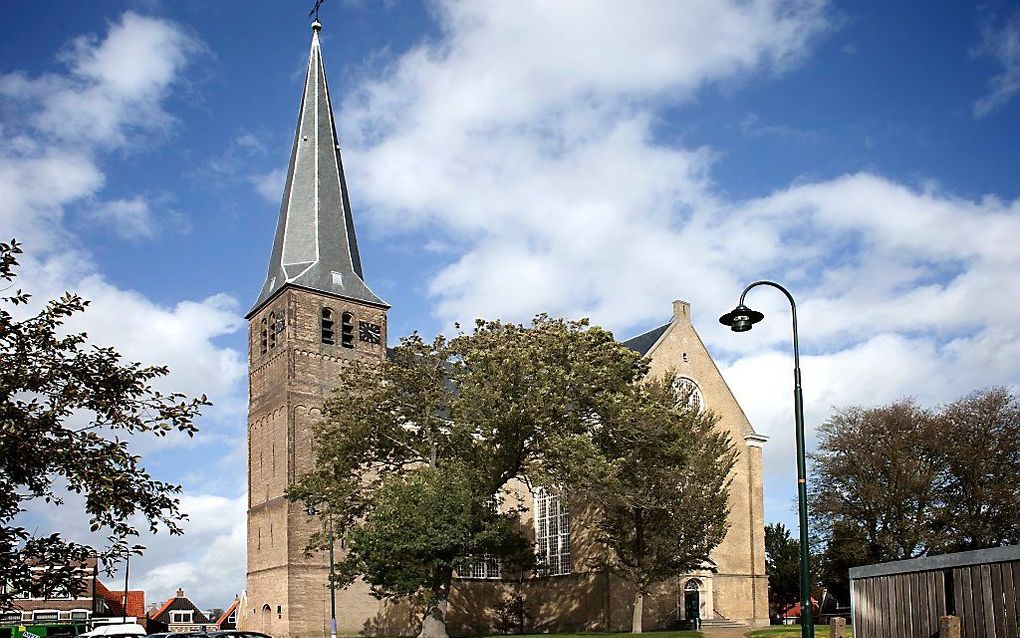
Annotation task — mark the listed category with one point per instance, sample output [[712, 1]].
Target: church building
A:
[[314, 311]]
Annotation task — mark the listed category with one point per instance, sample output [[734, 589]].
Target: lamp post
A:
[[742, 319], [332, 570]]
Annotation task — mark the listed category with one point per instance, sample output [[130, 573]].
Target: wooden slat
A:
[[911, 606], [964, 603], [985, 609], [894, 607], [939, 592], [998, 610], [1016, 587], [923, 583], [1012, 606]]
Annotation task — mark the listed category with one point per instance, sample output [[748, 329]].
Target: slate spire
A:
[[315, 245]]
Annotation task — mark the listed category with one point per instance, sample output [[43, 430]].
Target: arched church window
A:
[[347, 330], [264, 337], [688, 393], [272, 329], [326, 324]]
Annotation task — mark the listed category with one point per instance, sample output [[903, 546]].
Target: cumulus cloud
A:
[[112, 94], [525, 137], [269, 185], [1001, 43]]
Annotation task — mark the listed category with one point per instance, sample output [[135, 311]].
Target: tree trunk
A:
[[433, 624], [639, 607]]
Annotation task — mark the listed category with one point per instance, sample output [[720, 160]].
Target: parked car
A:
[[130, 630]]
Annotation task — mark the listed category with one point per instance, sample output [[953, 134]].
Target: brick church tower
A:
[[313, 311]]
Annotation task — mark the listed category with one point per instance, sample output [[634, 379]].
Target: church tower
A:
[[313, 312]]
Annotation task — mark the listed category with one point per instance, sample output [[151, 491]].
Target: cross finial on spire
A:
[[315, 12]]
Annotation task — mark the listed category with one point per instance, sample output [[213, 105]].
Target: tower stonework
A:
[[313, 312]]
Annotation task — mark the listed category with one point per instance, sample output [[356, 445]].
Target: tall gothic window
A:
[[347, 330], [327, 326], [265, 337], [552, 533], [272, 329]]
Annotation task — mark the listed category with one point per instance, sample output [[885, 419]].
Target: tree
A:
[[980, 443], [782, 566], [655, 475], [426, 439], [900, 481], [62, 405]]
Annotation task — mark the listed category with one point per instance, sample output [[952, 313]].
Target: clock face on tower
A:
[[369, 332]]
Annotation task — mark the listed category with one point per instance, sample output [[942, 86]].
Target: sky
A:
[[585, 159]]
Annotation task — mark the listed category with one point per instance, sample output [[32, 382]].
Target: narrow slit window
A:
[[347, 330], [327, 326]]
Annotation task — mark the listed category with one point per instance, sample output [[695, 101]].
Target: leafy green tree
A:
[[782, 566], [655, 476], [429, 436], [62, 405]]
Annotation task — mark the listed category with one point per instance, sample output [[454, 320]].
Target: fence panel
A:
[[908, 604]]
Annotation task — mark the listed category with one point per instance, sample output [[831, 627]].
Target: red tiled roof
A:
[[226, 614], [115, 599], [163, 607]]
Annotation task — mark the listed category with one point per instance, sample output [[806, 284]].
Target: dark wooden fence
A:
[[905, 599]]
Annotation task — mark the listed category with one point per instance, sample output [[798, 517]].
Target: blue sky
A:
[[583, 159]]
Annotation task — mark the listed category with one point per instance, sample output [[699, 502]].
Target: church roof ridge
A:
[[315, 246]]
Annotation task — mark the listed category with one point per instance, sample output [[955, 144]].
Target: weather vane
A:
[[315, 10]]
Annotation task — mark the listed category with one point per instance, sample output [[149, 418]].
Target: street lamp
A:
[[742, 319], [311, 511]]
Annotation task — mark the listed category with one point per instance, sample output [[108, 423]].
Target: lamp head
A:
[[741, 318], [311, 511]]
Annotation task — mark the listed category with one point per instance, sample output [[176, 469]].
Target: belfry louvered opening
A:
[[326, 324]]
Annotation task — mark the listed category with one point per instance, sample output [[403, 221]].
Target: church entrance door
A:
[[692, 602]]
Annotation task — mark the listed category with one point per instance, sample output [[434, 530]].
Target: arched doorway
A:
[[692, 601], [267, 619]]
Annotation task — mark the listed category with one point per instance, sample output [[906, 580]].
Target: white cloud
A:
[[525, 138], [128, 218], [110, 97], [114, 87], [1002, 44], [269, 185]]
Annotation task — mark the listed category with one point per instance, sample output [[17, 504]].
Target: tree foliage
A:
[[427, 438], [63, 406], [655, 475], [782, 566], [901, 481]]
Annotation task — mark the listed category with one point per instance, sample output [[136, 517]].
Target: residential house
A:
[[179, 614]]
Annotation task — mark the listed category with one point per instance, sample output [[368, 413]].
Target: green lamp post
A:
[[742, 319]]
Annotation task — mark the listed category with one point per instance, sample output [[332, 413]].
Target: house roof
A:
[[315, 247], [223, 618], [179, 602], [115, 599], [644, 342]]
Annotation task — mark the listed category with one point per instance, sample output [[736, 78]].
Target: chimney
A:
[[681, 311], [180, 593]]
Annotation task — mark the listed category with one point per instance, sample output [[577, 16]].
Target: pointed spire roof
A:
[[315, 245]]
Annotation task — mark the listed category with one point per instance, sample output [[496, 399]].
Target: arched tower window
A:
[[264, 337], [272, 329], [326, 323], [347, 330]]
